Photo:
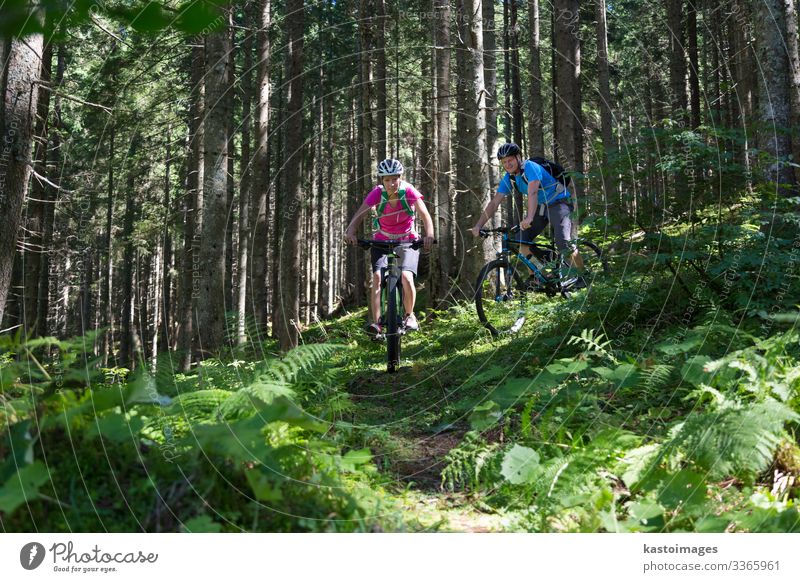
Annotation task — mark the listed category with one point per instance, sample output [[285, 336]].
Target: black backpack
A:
[[554, 169]]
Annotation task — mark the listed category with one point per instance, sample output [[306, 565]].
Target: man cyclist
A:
[[548, 201], [397, 203]]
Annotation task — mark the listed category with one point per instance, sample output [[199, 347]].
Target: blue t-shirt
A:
[[550, 189]]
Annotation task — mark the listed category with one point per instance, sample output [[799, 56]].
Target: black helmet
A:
[[508, 149]]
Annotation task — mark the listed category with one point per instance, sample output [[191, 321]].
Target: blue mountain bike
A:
[[508, 285]]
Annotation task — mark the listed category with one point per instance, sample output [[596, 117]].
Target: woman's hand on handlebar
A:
[[476, 231], [428, 242], [350, 238]]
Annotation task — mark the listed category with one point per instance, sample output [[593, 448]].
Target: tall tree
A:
[[774, 97], [286, 319], [606, 117], [211, 297], [192, 207], [694, 64], [246, 183], [443, 180], [518, 131], [794, 62], [474, 193], [127, 287], [536, 117], [19, 89], [677, 60], [34, 248], [490, 82], [382, 111], [567, 85], [259, 244]]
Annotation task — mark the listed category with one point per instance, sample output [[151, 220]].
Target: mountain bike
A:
[[508, 285], [391, 297]]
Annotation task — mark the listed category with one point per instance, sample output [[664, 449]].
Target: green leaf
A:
[[683, 489], [673, 349], [202, 524], [512, 392], [711, 524], [263, 484], [567, 366], [150, 18], [196, 17], [637, 460], [693, 370], [115, 427], [353, 459], [23, 486], [485, 415], [142, 389], [520, 465], [20, 444], [645, 511]]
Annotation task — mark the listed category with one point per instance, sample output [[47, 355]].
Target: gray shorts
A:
[[557, 214], [407, 258]]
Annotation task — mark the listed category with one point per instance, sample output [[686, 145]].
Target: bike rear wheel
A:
[[394, 299], [501, 298]]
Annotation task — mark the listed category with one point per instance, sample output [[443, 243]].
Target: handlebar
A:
[[390, 245], [485, 232]]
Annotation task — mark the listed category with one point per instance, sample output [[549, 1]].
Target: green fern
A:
[[473, 464], [593, 342], [248, 399], [289, 369], [735, 439], [655, 379]]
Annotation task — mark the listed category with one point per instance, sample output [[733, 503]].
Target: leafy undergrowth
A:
[[664, 398]]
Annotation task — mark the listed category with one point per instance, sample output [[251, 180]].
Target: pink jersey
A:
[[395, 220]]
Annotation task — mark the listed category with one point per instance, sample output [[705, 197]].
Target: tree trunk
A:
[[606, 117], [443, 183], [536, 118], [36, 206], [230, 108], [126, 284], [475, 195], [794, 62], [193, 208], [677, 61], [246, 182], [490, 82], [694, 65], [163, 305], [51, 194], [286, 318], [210, 301], [259, 244], [17, 119], [382, 112], [774, 98], [516, 86], [569, 127]]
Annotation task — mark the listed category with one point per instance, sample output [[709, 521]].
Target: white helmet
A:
[[390, 167]]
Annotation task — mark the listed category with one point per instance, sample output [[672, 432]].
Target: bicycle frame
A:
[[505, 250]]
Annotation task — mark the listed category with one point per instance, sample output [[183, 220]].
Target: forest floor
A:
[[413, 418]]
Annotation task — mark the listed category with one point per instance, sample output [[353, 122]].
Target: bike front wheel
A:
[[394, 300], [501, 297]]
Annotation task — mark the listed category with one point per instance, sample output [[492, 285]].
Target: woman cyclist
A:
[[397, 203]]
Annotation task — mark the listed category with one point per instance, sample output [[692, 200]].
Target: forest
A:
[[181, 319]]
